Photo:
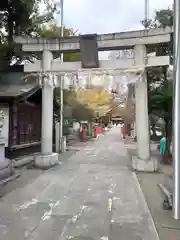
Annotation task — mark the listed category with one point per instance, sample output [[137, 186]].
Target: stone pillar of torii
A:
[[136, 40]]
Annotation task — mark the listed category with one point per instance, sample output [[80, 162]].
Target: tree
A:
[[79, 110], [86, 103], [96, 99], [15, 19], [163, 18], [160, 90], [19, 17], [53, 30]]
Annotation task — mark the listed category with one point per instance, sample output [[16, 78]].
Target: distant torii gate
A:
[[88, 46]]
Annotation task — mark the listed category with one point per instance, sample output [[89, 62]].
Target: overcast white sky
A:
[[103, 16]]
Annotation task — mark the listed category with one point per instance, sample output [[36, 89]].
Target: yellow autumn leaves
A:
[[96, 99]]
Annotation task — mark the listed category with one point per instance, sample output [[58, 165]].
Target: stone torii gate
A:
[[88, 46]]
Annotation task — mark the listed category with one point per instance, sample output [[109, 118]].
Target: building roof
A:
[[15, 90], [13, 85]]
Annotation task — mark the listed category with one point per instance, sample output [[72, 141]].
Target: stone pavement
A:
[[91, 196]]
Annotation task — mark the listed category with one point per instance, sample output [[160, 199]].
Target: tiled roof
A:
[[15, 90]]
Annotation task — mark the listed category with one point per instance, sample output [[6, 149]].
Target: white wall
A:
[[5, 130]]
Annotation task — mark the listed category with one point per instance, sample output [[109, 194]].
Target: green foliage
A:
[[21, 17], [160, 89], [158, 83], [79, 111], [163, 18], [54, 30], [85, 103], [159, 99], [14, 20], [16, 14]]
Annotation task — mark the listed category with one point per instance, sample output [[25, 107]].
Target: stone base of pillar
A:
[[137, 164], [63, 146], [46, 161], [151, 165], [6, 169]]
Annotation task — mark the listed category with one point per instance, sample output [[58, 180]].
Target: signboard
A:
[[89, 51]]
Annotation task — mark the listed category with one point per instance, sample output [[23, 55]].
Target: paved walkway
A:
[[91, 196]]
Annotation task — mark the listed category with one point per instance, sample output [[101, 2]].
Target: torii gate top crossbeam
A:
[[106, 42]]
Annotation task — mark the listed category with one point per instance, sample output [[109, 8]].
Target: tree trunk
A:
[[168, 115], [168, 131], [10, 26], [153, 136]]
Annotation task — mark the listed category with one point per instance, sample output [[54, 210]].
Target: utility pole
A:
[[176, 112], [146, 22], [61, 82]]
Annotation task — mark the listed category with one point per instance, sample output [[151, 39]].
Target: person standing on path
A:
[[123, 131], [162, 148]]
